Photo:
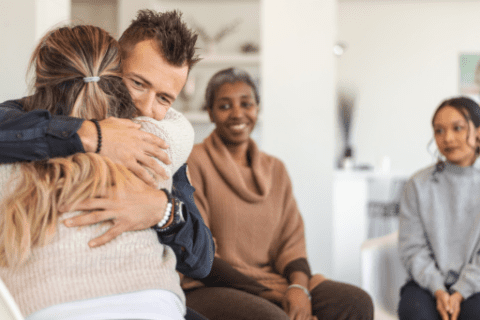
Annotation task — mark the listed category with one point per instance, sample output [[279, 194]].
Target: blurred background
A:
[[363, 74]]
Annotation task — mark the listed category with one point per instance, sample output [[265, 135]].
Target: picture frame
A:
[[469, 75]]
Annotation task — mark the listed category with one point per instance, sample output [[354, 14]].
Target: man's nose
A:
[[148, 104]]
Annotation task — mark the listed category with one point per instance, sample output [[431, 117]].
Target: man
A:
[[157, 53]]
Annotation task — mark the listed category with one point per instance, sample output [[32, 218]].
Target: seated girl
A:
[[439, 235], [50, 270]]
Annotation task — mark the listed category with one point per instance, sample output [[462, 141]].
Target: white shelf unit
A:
[[217, 60]]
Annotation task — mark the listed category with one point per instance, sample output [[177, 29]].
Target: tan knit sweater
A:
[[68, 270], [251, 213]]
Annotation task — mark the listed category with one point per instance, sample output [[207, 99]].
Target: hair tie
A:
[[91, 79]]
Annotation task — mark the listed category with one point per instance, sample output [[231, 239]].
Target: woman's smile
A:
[[234, 112]]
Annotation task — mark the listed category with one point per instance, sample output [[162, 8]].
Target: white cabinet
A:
[[354, 192]]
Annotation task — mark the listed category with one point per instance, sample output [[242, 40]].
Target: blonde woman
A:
[[49, 268]]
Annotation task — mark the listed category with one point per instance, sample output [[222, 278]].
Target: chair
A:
[[8, 307], [383, 274]]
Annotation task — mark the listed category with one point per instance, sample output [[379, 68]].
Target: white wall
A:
[[127, 11], [50, 14], [403, 57], [22, 24], [102, 13], [17, 37], [298, 107]]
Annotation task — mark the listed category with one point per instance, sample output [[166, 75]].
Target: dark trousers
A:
[[193, 315], [417, 303], [331, 300]]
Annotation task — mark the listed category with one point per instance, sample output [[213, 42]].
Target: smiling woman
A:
[[245, 196], [233, 107]]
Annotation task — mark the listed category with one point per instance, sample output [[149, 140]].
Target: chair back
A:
[[8, 307], [382, 272]]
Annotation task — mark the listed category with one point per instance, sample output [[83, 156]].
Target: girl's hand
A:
[[455, 301], [443, 304], [297, 304]]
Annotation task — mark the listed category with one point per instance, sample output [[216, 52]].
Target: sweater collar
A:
[[225, 165], [453, 168]]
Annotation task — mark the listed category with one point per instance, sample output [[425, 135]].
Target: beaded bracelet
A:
[[99, 132], [168, 211], [301, 287]]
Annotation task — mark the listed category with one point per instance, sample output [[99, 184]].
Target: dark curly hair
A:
[[175, 40]]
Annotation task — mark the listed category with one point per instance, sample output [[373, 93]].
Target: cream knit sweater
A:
[[67, 269]]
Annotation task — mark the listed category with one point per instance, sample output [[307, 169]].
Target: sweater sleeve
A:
[[469, 281], [291, 237], [224, 275], [414, 249], [178, 133], [301, 265]]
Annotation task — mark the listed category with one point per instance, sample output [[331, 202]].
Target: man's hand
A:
[[455, 300], [297, 305], [134, 206], [124, 143], [443, 304]]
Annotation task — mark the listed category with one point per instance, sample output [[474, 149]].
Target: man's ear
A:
[[477, 141]]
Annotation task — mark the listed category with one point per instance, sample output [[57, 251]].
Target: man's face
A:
[[153, 83]]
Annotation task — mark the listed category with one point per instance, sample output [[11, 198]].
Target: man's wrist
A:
[[168, 212], [176, 219], [88, 136], [161, 201]]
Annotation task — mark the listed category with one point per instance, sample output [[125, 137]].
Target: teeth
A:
[[238, 126]]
